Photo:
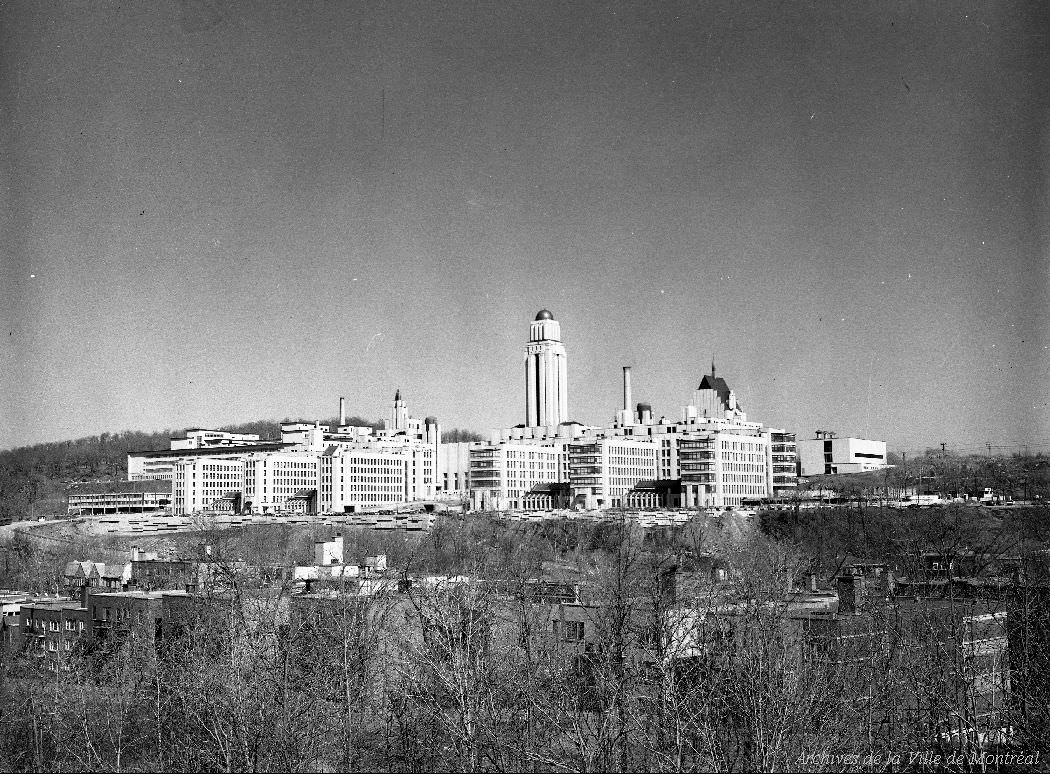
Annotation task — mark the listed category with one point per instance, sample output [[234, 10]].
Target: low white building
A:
[[828, 455], [199, 438]]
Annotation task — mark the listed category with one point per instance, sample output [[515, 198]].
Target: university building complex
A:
[[711, 455]]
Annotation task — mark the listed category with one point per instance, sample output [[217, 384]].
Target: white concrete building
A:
[[828, 455], [281, 481], [503, 474], [160, 465], [207, 484], [199, 438], [603, 470], [453, 466], [377, 476]]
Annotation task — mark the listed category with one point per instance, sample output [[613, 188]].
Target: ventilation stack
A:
[[644, 414], [625, 415]]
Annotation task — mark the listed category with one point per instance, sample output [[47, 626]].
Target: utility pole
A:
[[943, 444]]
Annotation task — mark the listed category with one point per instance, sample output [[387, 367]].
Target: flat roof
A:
[[214, 450], [66, 605], [129, 594]]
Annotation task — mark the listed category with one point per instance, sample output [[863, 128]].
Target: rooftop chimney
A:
[[342, 411], [626, 388]]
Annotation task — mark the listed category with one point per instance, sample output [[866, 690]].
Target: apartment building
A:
[[52, 630]]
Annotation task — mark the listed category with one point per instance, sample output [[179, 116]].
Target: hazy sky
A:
[[215, 212]]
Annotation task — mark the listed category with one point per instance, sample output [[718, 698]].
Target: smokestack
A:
[[626, 388], [342, 411]]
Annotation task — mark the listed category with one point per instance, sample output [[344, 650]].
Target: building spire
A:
[[712, 366]]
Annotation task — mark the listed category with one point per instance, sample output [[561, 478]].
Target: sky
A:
[[217, 212]]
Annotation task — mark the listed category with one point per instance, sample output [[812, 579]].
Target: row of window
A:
[[53, 626]]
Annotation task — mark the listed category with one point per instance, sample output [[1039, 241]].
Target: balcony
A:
[[698, 478], [585, 448], [584, 467], [696, 444]]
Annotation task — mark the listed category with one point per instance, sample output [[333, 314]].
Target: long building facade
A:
[[314, 468]]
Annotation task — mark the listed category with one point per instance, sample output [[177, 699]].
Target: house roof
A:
[[663, 483], [549, 486], [76, 570], [718, 384]]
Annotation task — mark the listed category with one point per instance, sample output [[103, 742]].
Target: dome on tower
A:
[[544, 314]]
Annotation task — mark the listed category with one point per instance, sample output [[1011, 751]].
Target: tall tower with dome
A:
[[546, 375]]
